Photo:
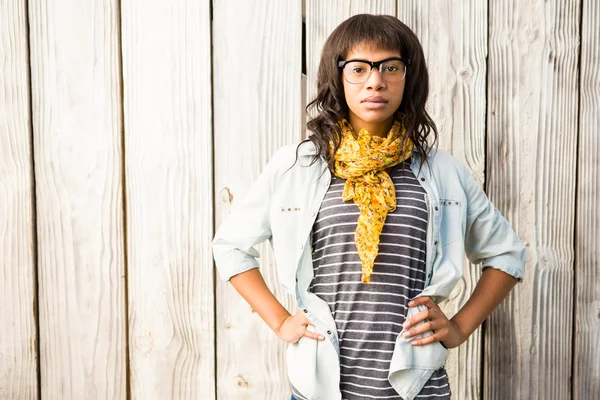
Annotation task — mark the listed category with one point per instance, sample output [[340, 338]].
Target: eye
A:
[[357, 68], [391, 68]]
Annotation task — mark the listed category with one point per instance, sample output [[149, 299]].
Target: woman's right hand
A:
[[296, 326]]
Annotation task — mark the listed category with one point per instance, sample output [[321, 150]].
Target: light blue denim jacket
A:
[[282, 206]]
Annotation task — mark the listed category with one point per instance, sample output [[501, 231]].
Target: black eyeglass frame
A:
[[374, 64]]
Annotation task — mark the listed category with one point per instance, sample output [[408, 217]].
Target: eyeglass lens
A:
[[359, 72]]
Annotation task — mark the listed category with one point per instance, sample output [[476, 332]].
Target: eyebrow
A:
[[385, 59], [342, 64]]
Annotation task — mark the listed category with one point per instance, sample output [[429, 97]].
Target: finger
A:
[[429, 326], [311, 332], [420, 317], [423, 300], [313, 335], [418, 301], [437, 337]]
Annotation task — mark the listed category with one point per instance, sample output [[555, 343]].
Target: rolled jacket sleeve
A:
[[489, 237], [247, 225]]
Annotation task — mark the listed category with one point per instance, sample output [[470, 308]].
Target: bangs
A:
[[378, 32]]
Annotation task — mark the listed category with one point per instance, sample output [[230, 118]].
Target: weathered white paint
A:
[[76, 118], [257, 61], [532, 138], [586, 373], [18, 337], [168, 159]]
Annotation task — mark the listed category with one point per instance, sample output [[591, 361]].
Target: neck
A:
[[380, 129]]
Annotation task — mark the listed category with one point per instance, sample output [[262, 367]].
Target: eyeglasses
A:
[[392, 69]]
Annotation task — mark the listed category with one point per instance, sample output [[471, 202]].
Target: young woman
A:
[[369, 226]]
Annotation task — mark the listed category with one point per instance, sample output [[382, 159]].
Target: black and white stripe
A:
[[369, 317]]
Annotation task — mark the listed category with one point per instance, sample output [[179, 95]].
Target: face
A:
[[372, 104]]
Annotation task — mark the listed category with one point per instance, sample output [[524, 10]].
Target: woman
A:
[[369, 227]]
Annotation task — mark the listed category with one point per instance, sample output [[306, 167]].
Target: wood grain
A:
[[456, 58], [586, 374], [257, 76], [532, 137], [168, 158], [18, 337], [76, 118]]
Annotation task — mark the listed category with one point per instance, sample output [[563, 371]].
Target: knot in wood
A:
[[226, 196], [465, 74], [241, 383]]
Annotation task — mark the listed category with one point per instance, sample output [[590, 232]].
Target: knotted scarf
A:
[[362, 160]]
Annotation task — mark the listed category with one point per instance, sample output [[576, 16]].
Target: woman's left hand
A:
[[444, 330]]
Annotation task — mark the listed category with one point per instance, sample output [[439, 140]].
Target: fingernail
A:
[[406, 334], [405, 325], [321, 337], [411, 303]]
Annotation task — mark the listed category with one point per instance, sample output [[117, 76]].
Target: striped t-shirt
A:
[[369, 317]]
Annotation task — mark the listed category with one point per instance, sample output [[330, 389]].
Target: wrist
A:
[[462, 333], [277, 327]]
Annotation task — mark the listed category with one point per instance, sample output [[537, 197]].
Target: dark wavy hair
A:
[[383, 32]]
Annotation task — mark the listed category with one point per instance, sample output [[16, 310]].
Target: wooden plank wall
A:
[[531, 164], [77, 124], [168, 169], [256, 111], [18, 336], [586, 328], [129, 129]]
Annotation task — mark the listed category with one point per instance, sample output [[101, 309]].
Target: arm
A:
[[252, 287], [247, 225], [290, 328], [493, 286], [489, 240]]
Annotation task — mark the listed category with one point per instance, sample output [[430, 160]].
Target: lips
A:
[[374, 99], [374, 102]]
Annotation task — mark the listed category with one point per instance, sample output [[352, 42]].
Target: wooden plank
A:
[[587, 240], [18, 337], [387, 7], [76, 117], [168, 138], [532, 138], [322, 17], [456, 58], [257, 74]]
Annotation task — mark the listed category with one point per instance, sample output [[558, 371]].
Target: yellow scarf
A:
[[362, 161]]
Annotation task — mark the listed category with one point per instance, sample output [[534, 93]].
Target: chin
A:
[[375, 116]]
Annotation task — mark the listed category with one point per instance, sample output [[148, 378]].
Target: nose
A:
[[375, 80]]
